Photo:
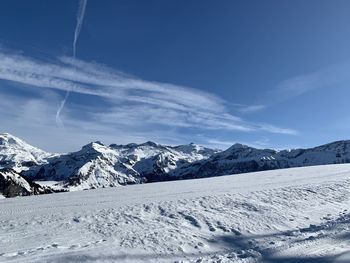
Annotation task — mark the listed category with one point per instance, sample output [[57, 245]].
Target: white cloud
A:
[[129, 101], [33, 119]]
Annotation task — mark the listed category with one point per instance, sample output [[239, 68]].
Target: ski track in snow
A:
[[290, 215]]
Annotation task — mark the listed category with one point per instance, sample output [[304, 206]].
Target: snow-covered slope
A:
[[289, 215], [17, 154], [241, 159]]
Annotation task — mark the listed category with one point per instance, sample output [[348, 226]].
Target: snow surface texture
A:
[[289, 215]]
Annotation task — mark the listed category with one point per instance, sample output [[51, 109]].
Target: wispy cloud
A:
[[128, 101], [330, 77], [33, 120], [245, 109], [251, 108], [219, 143]]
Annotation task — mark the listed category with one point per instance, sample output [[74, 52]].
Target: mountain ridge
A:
[[98, 165]]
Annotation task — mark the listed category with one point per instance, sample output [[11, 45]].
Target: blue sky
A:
[[264, 73]]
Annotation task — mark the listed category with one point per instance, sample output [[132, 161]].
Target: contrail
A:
[[80, 18]]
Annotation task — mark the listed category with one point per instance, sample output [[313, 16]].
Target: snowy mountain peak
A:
[[238, 146], [17, 154], [95, 147], [8, 139], [149, 143], [195, 148]]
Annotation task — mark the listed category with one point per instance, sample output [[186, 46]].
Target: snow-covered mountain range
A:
[[95, 165], [26, 170], [243, 159]]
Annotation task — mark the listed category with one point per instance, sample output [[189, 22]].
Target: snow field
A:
[[291, 215]]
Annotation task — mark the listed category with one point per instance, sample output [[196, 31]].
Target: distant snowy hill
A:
[[97, 165], [242, 159]]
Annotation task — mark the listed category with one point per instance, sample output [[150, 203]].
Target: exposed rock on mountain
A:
[[12, 184]]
